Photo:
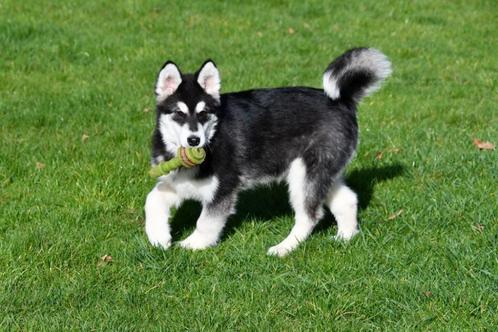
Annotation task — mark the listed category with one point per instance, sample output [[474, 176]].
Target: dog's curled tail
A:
[[356, 74]]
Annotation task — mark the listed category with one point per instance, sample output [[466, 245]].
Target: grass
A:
[[76, 84]]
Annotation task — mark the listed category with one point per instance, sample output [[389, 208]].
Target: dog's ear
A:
[[208, 78], [168, 81]]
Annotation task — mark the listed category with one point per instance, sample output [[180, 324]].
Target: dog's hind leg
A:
[[343, 204], [306, 216], [157, 211]]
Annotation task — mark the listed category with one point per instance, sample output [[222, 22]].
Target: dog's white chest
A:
[[188, 188]]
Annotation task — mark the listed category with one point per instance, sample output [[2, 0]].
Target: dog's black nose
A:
[[193, 140]]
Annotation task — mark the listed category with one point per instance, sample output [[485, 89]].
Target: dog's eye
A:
[[202, 116], [180, 114]]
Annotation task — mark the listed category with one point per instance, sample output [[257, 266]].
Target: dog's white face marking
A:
[[209, 127], [186, 133], [200, 107], [182, 107], [175, 133], [170, 132]]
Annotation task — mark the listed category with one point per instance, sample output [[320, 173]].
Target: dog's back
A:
[[268, 128]]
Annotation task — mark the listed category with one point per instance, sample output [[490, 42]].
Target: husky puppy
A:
[[303, 136]]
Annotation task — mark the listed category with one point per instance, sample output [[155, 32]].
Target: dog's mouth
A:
[[193, 146]]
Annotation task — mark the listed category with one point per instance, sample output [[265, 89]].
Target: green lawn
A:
[[76, 114]]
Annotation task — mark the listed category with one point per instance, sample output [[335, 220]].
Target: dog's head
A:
[[186, 105]]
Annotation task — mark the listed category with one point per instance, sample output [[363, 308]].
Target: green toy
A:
[[186, 157]]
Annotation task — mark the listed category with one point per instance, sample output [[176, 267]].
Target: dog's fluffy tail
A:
[[356, 74]]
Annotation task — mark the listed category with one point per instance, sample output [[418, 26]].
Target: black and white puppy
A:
[[303, 136]]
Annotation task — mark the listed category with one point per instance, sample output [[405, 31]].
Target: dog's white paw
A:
[[162, 241], [345, 235], [197, 241], [280, 250], [158, 234]]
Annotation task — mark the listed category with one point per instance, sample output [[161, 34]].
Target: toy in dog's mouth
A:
[[185, 157]]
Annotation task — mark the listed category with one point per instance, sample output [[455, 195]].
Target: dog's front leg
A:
[[157, 211], [208, 229]]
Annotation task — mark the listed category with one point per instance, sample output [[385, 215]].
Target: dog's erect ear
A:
[[168, 81], [208, 78]]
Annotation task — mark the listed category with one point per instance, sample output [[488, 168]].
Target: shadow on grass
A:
[[363, 181], [266, 203]]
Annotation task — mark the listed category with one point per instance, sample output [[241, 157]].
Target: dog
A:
[[303, 136]]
